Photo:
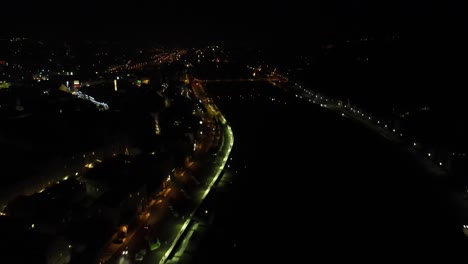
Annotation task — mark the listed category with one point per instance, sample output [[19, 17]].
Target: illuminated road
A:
[[171, 227], [157, 59], [222, 158], [370, 122], [220, 166]]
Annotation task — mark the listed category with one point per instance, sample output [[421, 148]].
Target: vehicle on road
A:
[[148, 232], [173, 211], [140, 255], [120, 238]]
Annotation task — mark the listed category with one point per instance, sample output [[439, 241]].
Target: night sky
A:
[[430, 27], [227, 19]]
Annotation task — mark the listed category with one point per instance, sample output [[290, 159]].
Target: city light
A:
[[200, 171]]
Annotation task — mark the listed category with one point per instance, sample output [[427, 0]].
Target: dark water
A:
[[319, 187]]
